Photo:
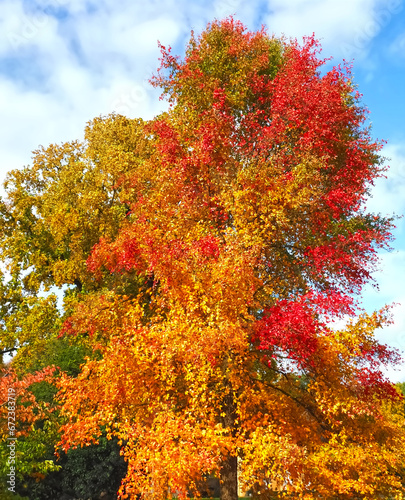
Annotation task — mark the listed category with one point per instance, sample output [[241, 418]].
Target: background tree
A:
[[54, 212]]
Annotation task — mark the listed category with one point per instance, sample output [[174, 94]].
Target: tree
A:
[[26, 423], [240, 236], [93, 472], [55, 211]]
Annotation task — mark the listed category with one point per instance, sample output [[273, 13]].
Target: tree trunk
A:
[[229, 467], [229, 478]]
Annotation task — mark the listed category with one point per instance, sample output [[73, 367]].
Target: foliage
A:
[[84, 473], [204, 255], [55, 211], [10, 496], [27, 420]]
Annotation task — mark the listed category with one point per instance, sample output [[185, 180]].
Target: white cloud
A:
[[388, 198], [345, 28], [388, 194], [71, 70], [397, 47], [225, 8], [389, 281], [22, 30], [10, 15], [29, 119]]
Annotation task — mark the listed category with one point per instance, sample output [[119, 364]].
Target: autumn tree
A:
[[26, 424], [248, 219], [55, 211], [207, 253]]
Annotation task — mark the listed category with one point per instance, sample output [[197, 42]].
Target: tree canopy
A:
[[205, 255]]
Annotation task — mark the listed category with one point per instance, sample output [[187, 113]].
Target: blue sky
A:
[[63, 62]]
